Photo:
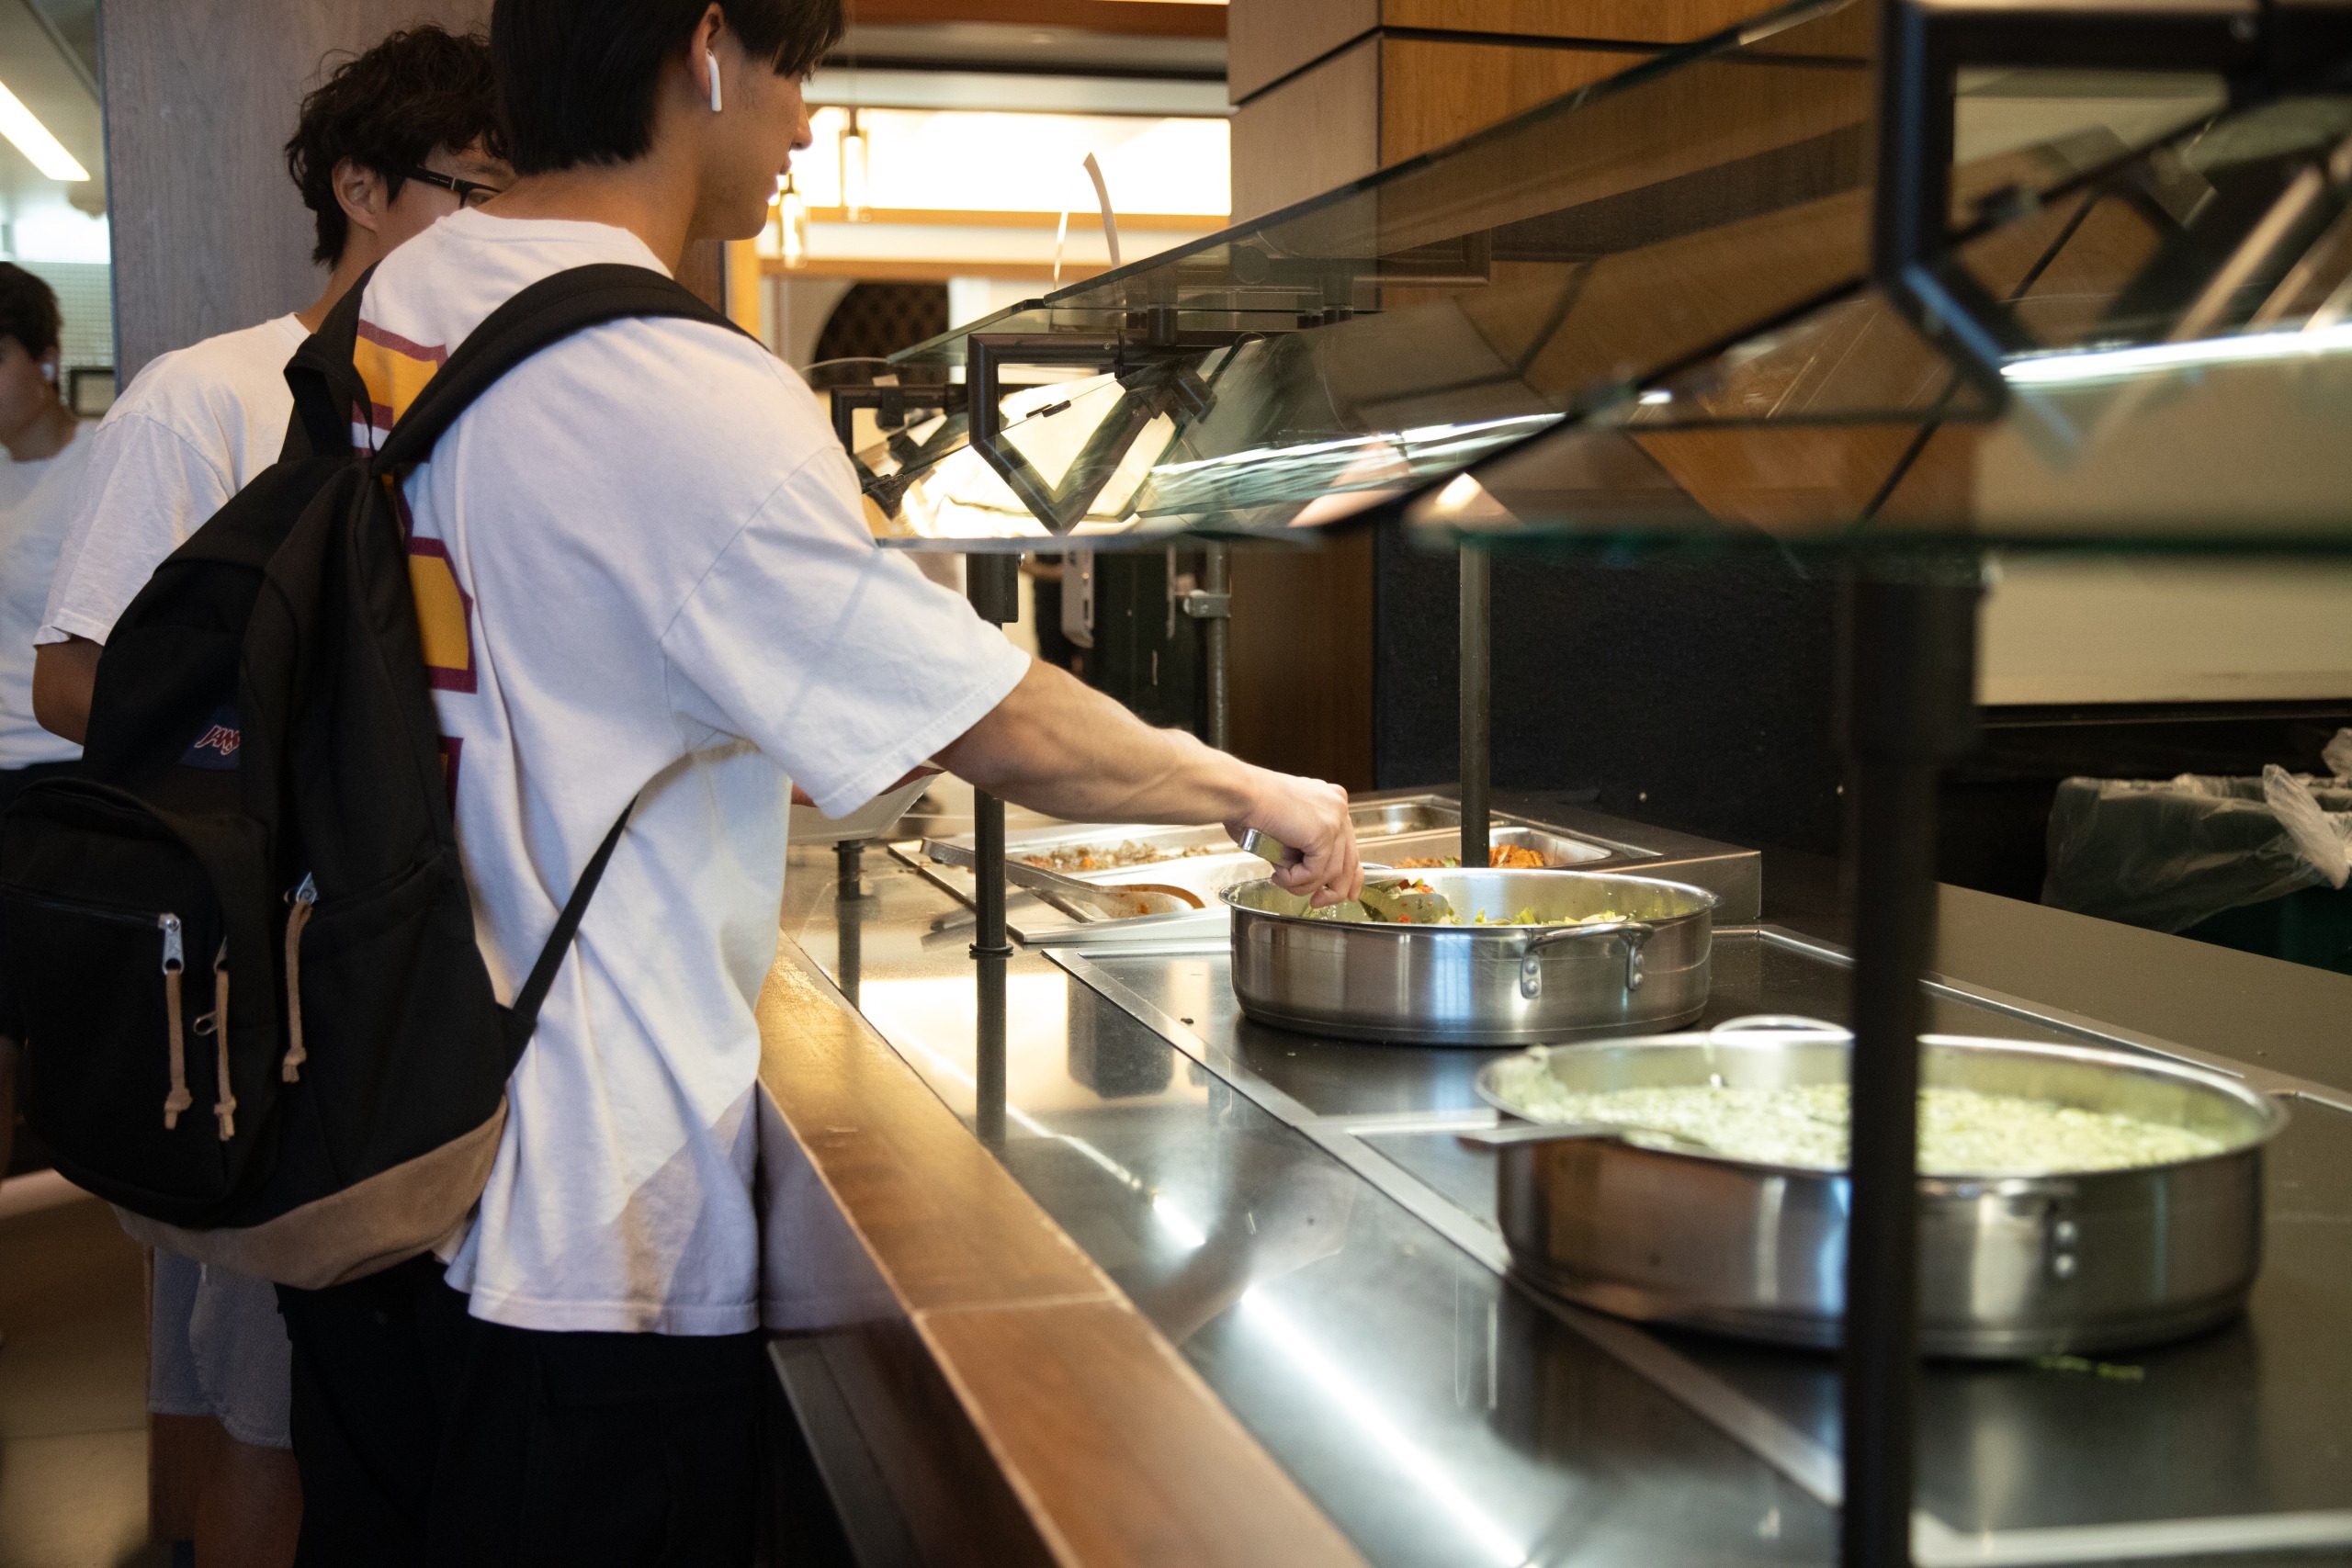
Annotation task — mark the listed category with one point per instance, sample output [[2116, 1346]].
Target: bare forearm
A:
[[1058, 746], [64, 674]]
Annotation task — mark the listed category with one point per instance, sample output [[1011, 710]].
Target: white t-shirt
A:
[[35, 505], [640, 569], [190, 431]]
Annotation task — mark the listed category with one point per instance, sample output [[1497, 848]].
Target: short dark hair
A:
[[29, 309], [388, 110], [576, 78]]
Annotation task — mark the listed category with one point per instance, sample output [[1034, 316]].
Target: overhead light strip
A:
[[2116, 364], [20, 126]]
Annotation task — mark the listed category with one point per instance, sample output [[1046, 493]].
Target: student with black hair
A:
[[643, 572], [393, 140], [47, 450]]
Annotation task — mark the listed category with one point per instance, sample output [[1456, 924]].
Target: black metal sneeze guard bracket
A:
[[1153, 378], [2262, 47]]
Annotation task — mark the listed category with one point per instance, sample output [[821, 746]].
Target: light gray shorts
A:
[[219, 1348]]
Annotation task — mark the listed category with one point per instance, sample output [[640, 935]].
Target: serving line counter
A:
[[1299, 1221], [2055, 278]]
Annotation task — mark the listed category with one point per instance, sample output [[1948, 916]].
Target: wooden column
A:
[[1327, 91], [210, 234]]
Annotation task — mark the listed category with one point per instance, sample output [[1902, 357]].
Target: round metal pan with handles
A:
[[2009, 1266], [1480, 984]]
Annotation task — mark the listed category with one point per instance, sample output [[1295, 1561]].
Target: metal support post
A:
[[993, 582], [1910, 708], [849, 939], [990, 953], [1218, 629], [1477, 701]]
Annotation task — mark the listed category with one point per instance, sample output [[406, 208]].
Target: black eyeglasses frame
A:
[[469, 193]]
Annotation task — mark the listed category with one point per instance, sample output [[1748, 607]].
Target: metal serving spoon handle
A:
[[1265, 846], [1511, 1133]]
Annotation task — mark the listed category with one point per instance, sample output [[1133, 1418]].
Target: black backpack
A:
[[238, 947]]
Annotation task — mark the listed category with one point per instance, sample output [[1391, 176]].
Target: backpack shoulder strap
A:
[[524, 1016], [324, 376], [545, 313]]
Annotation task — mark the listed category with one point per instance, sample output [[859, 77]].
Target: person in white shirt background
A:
[[395, 140], [47, 451]]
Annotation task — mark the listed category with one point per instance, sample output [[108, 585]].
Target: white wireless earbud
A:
[[718, 105], [49, 373]]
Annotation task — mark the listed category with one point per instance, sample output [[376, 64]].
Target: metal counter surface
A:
[[1298, 1218]]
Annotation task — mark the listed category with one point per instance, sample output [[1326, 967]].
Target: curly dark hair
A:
[[576, 78], [29, 309], [388, 110]]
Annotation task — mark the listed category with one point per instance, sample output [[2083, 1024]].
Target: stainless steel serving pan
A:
[[2008, 1266], [1480, 985], [1206, 861]]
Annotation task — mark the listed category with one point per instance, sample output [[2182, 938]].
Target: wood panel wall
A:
[[1327, 91], [210, 234], [1313, 134]]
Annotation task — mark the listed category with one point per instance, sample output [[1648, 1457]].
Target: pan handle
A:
[[1509, 1132], [1530, 969], [1778, 1023]]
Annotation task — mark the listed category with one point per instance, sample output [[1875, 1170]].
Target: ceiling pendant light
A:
[[791, 224], [856, 173]]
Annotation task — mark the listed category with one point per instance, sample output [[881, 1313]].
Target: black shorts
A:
[[12, 781], [428, 1436]]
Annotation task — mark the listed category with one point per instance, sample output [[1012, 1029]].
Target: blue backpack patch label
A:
[[216, 749]]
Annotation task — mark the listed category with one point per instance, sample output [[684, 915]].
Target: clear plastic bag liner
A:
[[2337, 754], [2299, 812], [2165, 854]]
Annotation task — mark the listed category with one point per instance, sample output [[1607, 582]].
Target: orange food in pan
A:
[[1502, 857]]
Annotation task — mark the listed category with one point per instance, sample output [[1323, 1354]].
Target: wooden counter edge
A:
[[1114, 1447]]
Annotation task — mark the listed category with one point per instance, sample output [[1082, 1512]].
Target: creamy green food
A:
[[1962, 1132]]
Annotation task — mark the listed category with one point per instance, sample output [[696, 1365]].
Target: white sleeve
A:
[[146, 490], [836, 657]]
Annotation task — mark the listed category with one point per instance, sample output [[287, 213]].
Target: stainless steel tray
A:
[[1386, 831], [2009, 1266]]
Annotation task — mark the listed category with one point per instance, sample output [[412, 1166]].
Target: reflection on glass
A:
[[1330, 358], [2177, 374]]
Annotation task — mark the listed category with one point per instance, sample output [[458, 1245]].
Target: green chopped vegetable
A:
[[2112, 1372], [1962, 1132]]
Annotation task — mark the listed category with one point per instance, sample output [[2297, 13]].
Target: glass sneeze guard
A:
[[1316, 366], [2174, 372]]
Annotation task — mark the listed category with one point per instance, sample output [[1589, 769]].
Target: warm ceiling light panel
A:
[[20, 125]]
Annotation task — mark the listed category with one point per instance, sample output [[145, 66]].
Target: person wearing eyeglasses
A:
[[45, 450], [394, 140]]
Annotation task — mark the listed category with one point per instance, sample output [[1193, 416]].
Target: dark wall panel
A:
[[1698, 696]]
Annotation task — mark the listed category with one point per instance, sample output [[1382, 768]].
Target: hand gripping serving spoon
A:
[[1389, 903]]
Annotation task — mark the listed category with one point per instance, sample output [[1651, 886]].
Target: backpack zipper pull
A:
[[175, 960], [306, 900], [225, 1107]]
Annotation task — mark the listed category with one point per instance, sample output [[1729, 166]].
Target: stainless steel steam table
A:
[[1299, 1218]]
